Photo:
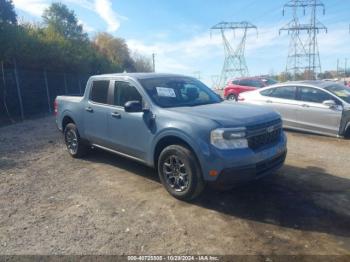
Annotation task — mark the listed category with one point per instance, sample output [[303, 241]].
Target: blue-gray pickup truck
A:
[[175, 124]]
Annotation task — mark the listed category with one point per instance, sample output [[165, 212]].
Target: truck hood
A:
[[230, 114]]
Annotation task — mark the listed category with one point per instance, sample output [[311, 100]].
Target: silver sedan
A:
[[320, 107]]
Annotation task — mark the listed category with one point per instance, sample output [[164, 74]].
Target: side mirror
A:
[[330, 103], [133, 106]]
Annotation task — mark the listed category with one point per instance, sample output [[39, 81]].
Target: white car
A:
[[321, 107]]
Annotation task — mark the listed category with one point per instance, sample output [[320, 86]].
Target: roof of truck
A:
[[139, 75]]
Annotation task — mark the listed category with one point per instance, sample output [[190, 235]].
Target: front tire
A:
[[75, 146], [180, 173]]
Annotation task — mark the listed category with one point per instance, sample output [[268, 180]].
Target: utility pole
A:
[[345, 66], [303, 55], [154, 62], [338, 68], [234, 63]]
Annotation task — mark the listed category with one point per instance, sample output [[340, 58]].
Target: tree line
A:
[[59, 43]]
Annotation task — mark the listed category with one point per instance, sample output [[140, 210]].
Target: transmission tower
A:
[[234, 63], [303, 54]]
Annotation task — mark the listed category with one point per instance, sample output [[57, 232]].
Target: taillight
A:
[[55, 107]]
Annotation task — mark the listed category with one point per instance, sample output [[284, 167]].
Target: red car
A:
[[240, 85]]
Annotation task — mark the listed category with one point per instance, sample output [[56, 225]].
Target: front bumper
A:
[[235, 175], [244, 164]]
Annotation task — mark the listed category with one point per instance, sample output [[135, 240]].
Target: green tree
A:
[[7, 12], [142, 63], [115, 49], [58, 18], [327, 75], [60, 45]]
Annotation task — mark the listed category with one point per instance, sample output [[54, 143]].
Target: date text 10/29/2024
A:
[[173, 258]]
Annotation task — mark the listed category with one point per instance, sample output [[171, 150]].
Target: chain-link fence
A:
[[27, 93]]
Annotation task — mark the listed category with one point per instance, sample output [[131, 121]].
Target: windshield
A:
[[178, 91], [340, 91]]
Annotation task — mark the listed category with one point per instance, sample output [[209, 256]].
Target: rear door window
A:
[[99, 91]]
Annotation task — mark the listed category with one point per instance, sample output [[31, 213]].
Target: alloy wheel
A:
[[72, 141], [175, 173]]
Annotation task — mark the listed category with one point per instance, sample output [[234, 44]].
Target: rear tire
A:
[[232, 97], [75, 146], [180, 173]]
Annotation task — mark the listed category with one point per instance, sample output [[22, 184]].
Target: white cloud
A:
[[199, 53], [87, 4], [33, 7], [204, 52], [335, 41], [105, 11], [101, 7]]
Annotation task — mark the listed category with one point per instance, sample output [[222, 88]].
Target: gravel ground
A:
[[51, 203]]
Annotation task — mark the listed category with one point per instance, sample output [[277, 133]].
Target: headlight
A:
[[229, 138]]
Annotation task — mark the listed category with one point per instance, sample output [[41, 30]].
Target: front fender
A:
[[199, 146]]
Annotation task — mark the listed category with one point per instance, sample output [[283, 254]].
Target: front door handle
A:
[[89, 109], [268, 101], [305, 105], [116, 115]]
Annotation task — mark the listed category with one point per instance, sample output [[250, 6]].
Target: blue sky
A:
[[178, 30]]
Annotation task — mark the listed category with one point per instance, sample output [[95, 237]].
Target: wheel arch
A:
[[66, 120], [168, 140]]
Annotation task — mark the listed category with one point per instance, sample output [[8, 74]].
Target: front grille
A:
[[266, 138], [256, 127], [262, 134]]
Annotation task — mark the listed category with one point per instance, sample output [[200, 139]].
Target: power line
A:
[[234, 62], [303, 55]]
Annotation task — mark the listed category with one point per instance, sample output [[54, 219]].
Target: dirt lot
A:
[[105, 204]]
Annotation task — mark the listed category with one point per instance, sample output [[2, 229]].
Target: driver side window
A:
[[309, 94], [124, 92]]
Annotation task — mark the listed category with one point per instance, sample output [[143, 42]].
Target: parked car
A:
[[240, 85], [175, 124], [321, 107]]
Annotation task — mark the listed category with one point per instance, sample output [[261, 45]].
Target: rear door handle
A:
[[268, 101], [305, 105], [116, 115], [89, 109]]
